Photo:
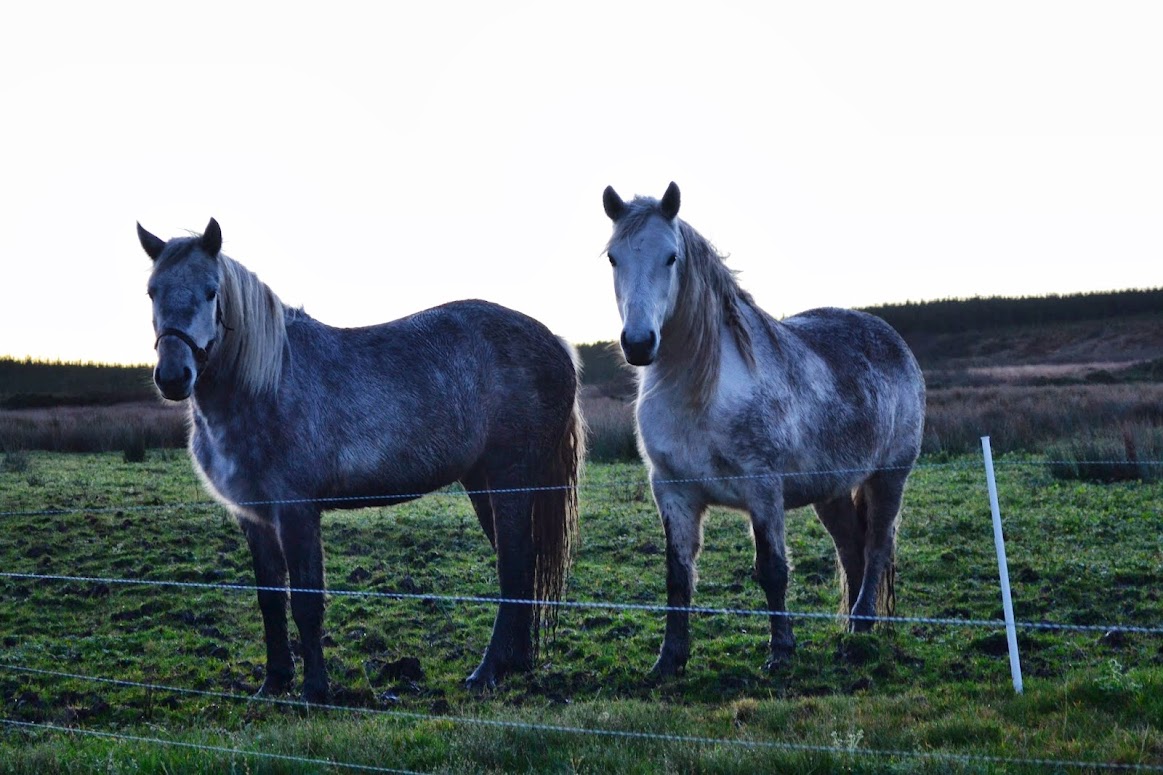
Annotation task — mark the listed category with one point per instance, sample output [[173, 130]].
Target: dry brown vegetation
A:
[[1016, 417], [94, 428], [1032, 418]]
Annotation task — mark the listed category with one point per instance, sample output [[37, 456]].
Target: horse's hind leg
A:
[[846, 526], [477, 486], [682, 519], [299, 529], [510, 648], [270, 573], [882, 495]]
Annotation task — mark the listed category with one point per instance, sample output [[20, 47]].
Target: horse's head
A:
[[184, 289], [646, 252]]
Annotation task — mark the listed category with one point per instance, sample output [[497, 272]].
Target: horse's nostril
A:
[[648, 343], [187, 374]]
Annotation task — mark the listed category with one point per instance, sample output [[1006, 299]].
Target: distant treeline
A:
[[602, 361], [26, 384], [954, 315]]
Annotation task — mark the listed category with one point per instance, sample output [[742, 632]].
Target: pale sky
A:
[[370, 160]]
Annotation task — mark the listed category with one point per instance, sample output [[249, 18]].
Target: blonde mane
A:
[[709, 298], [256, 333]]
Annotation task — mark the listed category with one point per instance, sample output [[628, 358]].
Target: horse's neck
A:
[[693, 370], [220, 388], [686, 370], [216, 390]]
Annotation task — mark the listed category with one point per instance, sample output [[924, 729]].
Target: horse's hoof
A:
[[667, 666], [479, 684], [860, 625], [316, 694], [275, 685], [780, 656], [486, 676], [483, 679], [776, 663], [491, 670]]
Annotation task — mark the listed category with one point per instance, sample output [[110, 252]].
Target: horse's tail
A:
[[555, 511]]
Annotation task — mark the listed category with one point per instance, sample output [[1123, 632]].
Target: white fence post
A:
[[1003, 568]]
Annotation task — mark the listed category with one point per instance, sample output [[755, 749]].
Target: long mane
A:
[[256, 331], [710, 300]]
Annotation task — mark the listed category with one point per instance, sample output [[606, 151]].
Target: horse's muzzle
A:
[[640, 351], [175, 385], [175, 372]]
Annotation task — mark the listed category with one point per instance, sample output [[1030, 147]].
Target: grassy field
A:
[[159, 662]]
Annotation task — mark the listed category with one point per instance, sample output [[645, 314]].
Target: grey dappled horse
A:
[[738, 409], [289, 416]]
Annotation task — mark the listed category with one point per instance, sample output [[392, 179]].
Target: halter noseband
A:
[[201, 354]]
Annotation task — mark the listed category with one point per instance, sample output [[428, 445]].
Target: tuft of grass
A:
[[1133, 455], [14, 463], [134, 450]]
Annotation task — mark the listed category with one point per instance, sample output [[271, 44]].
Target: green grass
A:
[[1079, 553]]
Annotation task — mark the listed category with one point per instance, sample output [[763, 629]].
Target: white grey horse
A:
[[290, 416], [738, 409]]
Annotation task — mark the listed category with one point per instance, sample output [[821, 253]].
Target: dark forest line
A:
[[992, 312], [27, 383]]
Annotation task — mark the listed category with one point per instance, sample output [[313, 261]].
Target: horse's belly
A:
[[713, 462]]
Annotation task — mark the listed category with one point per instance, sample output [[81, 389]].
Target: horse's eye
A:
[[670, 261], [210, 294], [149, 293], [613, 261]]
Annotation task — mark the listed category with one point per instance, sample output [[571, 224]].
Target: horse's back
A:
[[869, 366], [473, 336], [478, 358], [409, 405], [840, 335], [512, 351]]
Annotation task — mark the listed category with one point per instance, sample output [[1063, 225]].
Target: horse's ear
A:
[[670, 202], [212, 239], [152, 245], [613, 203]]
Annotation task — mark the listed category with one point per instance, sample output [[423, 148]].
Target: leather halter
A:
[[201, 354]]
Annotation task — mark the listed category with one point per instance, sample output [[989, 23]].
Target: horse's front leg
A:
[[302, 539], [270, 573], [682, 511], [771, 569]]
